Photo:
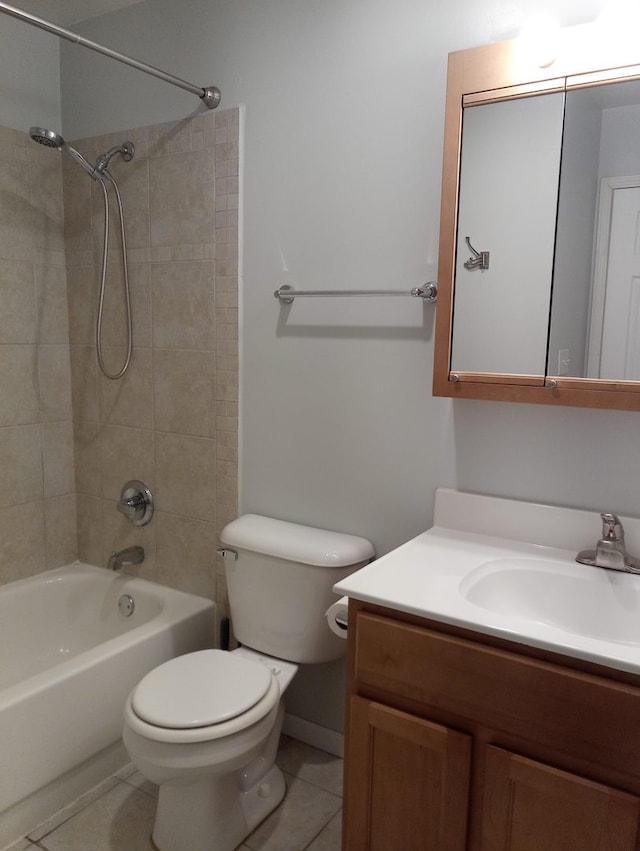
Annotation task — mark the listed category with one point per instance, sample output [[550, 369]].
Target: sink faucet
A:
[[610, 551], [125, 558]]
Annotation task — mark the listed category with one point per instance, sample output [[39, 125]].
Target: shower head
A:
[[48, 138], [51, 139]]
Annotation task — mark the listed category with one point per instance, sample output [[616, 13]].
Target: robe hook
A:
[[479, 261]]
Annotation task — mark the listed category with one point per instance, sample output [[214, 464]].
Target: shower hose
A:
[[103, 278]]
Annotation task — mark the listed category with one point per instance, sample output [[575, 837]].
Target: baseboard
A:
[[313, 734]]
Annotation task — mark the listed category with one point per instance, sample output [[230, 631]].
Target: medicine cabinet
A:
[[539, 263]]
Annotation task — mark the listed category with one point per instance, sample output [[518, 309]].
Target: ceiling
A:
[[68, 12]]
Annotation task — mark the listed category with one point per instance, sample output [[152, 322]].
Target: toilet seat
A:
[[200, 689]]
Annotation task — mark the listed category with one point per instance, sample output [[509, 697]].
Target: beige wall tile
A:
[[133, 182], [125, 453], [59, 472], [171, 137], [19, 385], [34, 379], [227, 448], [127, 401], [182, 304], [22, 541], [51, 300], [87, 458], [82, 294], [184, 391], [54, 368], [46, 198], [227, 385], [82, 305], [186, 554], [185, 472], [21, 465], [77, 212], [14, 144], [16, 224], [90, 534], [114, 315], [84, 383], [225, 514], [181, 198], [17, 297], [61, 530], [183, 173]]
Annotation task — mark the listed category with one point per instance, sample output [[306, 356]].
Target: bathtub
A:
[[69, 656]]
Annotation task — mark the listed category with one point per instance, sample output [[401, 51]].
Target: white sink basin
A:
[[507, 569], [583, 600]]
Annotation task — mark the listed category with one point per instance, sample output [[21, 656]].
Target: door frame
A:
[[607, 188]]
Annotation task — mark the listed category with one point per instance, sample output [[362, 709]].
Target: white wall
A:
[[30, 77], [342, 182], [618, 158]]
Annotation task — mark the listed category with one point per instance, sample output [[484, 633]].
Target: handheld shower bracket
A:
[[127, 150]]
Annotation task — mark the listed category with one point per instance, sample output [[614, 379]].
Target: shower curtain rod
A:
[[210, 95]]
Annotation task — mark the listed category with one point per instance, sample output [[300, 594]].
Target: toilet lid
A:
[[200, 689]]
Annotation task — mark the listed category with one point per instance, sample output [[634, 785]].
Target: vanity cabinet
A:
[[460, 742]]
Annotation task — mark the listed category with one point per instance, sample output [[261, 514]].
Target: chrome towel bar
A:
[[428, 292]]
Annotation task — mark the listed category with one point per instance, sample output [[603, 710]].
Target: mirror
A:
[[539, 296], [595, 328], [510, 165]]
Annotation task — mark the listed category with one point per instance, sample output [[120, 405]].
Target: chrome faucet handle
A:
[[612, 529], [136, 502]]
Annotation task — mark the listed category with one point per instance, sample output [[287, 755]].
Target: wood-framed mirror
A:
[[538, 281]]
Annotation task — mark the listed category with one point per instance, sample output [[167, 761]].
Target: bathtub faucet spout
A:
[[125, 558]]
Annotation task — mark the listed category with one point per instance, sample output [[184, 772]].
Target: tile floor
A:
[[118, 814]]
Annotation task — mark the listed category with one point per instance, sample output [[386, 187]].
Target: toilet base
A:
[[216, 813], [225, 816], [263, 798]]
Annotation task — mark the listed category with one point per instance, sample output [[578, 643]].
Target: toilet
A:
[[205, 726]]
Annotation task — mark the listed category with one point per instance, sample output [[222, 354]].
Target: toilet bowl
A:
[[205, 726]]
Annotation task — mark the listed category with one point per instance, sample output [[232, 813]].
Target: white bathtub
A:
[[68, 660]]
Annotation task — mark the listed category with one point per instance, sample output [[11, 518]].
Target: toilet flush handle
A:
[[226, 553]]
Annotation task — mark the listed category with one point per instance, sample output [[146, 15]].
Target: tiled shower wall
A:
[[172, 420], [37, 501]]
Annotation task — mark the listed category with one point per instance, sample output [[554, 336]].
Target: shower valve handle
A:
[[136, 503]]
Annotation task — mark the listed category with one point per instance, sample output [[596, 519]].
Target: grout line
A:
[[87, 798]]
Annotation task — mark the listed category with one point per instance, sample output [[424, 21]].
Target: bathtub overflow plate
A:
[[126, 605]]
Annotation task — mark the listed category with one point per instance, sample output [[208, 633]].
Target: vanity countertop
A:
[[523, 585]]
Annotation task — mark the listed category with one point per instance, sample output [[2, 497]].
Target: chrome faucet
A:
[[125, 558], [610, 551]]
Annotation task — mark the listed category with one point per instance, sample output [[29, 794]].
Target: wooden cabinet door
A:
[[529, 806], [407, 782]]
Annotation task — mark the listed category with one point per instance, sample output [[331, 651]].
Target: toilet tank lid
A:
[[294, 542]]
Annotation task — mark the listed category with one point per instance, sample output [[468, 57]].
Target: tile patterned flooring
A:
[[118, 814]]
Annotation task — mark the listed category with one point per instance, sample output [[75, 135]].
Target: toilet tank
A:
[[280, 583]]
